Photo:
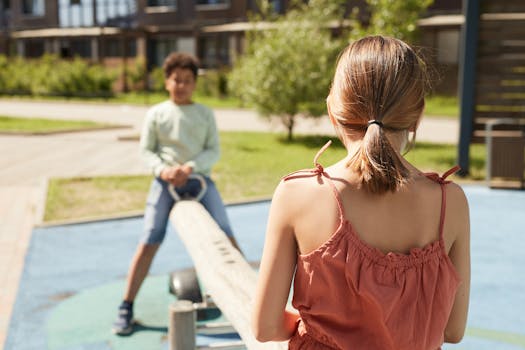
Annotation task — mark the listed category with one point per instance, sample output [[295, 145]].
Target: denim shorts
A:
[[160, 202]]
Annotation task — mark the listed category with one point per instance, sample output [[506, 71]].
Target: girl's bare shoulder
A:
[[301, 190]]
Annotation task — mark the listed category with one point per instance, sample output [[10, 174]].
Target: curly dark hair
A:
[[180, 60]]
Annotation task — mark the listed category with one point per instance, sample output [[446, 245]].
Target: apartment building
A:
[[106, 30], [110, 31]]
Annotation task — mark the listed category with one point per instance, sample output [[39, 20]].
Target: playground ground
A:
[[74, 276], [52, 278]]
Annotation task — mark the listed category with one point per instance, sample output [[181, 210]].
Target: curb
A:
[[123, 215], [64, 131]]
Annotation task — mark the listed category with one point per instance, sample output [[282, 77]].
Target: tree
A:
[[289, 60], [287, 68], [393, 18]]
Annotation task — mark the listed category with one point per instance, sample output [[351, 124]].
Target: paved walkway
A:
[[27, 162]]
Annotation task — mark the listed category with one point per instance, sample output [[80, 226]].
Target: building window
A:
[[80, 48], [159, 49], [163, 3], [33, 7], [114, 47], [34, 48], [81, 13], [277, 6], [5, 9], [213, 4], [116, 13], [213, 51]]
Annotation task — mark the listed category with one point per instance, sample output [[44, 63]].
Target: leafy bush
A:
[[213, 83], [156, 79], [136, 74], [52, 76]]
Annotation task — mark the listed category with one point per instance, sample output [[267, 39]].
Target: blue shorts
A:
[[160, 202]]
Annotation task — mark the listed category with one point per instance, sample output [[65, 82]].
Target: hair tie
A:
[[373, 121]]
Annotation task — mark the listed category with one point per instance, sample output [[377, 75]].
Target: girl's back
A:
[[373, 271], [391, 222]]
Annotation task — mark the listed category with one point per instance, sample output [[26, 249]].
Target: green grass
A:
[[74, 198], [40, 125], [442, 106], [250, 167]]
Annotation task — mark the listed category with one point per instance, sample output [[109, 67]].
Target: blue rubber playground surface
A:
[[74, 275]]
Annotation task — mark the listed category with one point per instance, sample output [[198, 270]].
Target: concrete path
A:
[[26, 162], [431, 129]]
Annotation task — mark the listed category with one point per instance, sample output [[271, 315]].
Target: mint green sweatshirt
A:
[[179, 134]]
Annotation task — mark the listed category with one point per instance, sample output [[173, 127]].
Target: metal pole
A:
[[488, 160], [182, 325], [467, 80]]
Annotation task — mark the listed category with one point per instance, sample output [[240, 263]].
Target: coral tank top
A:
[[352, 296]]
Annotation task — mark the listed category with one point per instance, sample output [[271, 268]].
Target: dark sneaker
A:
[[124, 323]]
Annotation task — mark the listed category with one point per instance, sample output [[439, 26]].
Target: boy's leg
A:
[[139, 268], [156, 214], [213, 203]]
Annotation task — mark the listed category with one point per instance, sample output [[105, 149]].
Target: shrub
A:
[[213, 83], [52, 76]]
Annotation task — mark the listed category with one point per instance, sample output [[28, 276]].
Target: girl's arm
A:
[[270, 319], [460, 256]]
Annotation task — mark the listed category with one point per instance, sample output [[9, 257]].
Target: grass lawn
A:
[[41, 126], [250, 167], [442, 106]]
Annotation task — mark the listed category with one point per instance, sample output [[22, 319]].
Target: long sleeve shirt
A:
[[179, 134]]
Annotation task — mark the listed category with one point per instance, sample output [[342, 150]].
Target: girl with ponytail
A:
[[374, 262]]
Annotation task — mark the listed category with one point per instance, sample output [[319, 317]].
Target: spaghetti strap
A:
[[319, 172], [442, 182]]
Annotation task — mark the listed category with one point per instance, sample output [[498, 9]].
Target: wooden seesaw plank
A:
[[226, 275]]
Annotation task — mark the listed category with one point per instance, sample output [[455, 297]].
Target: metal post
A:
[[182, 324], [488, 144], [467, 80]]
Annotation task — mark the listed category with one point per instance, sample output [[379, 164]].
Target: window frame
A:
[[213, 7], [161, 8], [33, 15]]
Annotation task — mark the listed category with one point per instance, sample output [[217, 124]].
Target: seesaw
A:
[[223, 273]]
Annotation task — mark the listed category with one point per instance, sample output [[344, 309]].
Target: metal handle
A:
[[204, 187]]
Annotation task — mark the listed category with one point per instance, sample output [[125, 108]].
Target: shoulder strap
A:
[[319, 172], [441, 180]]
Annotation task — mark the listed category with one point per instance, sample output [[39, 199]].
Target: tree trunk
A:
[[289, 122]]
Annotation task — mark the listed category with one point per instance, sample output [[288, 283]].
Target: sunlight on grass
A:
[[97, 196], [251, 165], [442, 106], [40, 125]]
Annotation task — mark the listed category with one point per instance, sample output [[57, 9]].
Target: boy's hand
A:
[[176, 175], [181, 175]]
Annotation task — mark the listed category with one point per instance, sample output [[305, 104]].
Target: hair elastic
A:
[[373, 121]]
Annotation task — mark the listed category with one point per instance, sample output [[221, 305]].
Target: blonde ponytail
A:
[[378, 76], [379, 167]]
